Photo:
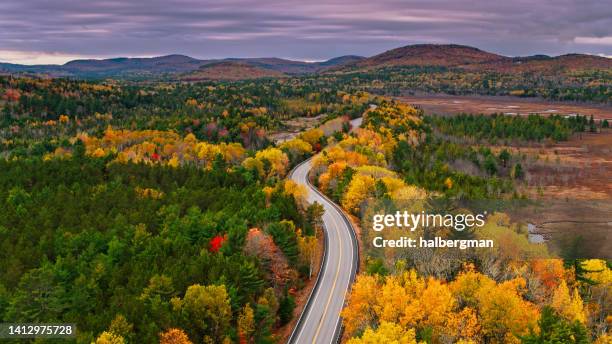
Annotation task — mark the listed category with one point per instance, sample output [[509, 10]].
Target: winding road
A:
[[320, 320]]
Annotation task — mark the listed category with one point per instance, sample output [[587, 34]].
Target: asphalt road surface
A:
[[320, 320]]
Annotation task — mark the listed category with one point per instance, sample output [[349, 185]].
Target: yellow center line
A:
[[331, 293]]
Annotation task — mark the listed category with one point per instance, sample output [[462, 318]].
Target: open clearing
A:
[[573, 179], [448, 105]]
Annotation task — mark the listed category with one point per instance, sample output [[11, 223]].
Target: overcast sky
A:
[[55, 31]]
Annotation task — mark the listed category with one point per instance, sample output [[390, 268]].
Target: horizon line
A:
[[37, 58]]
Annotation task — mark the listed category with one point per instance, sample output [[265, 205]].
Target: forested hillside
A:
[[41, 115], [518, 292], [146, 213], [136, 250], [161, 212]]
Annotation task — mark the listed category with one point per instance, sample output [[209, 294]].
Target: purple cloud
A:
[[311, 30]]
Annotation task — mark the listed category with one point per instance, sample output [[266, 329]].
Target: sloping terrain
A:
[[230, 70], [171, 64], [429, 55], [474, 59], [418, 55]]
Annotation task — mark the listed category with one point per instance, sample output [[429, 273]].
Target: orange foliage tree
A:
[[174, 336]]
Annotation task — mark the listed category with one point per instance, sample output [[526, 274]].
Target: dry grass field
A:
[[572, 180], [448, 105]]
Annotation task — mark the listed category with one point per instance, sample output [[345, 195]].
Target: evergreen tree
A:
[[517, 171], [556, 330], [504, 157]]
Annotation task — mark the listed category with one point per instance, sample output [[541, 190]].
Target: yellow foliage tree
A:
[[600, 305], [174, 161], [392, 297], [360, 311], [174, 336], [276, 159], [598, 271], [207, 309], [359, 189], [504, 314], [307, 247], [296, 148], [312, 136], [438, 302], [109, 338], [568, 306], [246, 324], [375, 171], [254, 164], [464, 325], [387, 332]]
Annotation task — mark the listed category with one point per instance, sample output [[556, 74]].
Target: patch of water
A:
[[534, 237]]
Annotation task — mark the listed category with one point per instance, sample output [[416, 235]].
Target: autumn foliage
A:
[[473, 307], [174, 336], [216, 243], [350, 170]]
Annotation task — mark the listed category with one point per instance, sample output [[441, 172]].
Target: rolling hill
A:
[[171, 64], [429, 55], [229, 71], [419, 55], [474, 59]]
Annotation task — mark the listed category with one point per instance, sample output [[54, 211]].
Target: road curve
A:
[[320, 320]]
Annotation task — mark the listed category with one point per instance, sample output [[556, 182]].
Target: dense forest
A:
[[585, 86], [165, 218], [136, 249], [161, 212], [39, 115], [516, 293], [507, 127]]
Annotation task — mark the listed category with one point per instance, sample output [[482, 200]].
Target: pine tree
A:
[[504, 157], [517, 171], [556, 330]]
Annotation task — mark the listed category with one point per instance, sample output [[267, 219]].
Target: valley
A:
[[172, 199], [447, 105]]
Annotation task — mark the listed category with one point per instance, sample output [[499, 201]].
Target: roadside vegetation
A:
[[516, 293], [149, 212], [585, 85]]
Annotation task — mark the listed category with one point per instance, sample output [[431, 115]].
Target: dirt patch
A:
[[580, 168], [572, 181], [293, 127], [571, 228], [448, 105]]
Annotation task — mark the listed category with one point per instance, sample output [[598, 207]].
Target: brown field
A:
[[293, 127], [573, 179], [580, 168], [448, 105]]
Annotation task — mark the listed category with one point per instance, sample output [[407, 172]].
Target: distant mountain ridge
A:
[[168, 63], [229, 71], [148, 66], [470, 58], [430, 55], [438, 55]]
